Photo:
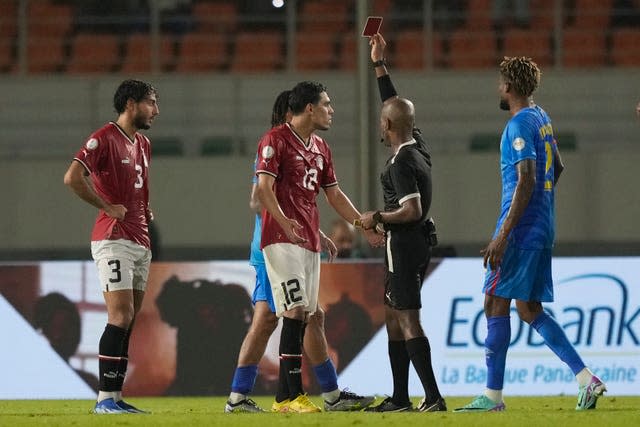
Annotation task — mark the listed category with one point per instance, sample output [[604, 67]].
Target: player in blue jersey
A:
[[518, 258], [265, 322]]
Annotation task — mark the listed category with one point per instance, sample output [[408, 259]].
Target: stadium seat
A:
[[583, 48], [625, 47], [472, 50], [137, 57], [202, 51], [45, 54], [542, 15], [324, 16], [485, 142], [8, 18], [531, 43], [48, 19], [348, 57], [216, 146], [414, 41], [166, 146], [6, 54], [591, 14], [381, 7], [478, 15], [258, 51], [94, 53], [314, 51], [216, 16]]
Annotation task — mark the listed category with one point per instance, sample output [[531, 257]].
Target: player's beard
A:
[[140, 122], [504, 105]]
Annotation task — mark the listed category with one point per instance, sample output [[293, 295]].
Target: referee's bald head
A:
[[400, 113]]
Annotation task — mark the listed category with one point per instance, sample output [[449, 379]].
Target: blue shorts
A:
[[523, 274], [262, 291]]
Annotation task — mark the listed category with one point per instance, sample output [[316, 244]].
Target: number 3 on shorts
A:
[[115, 269]]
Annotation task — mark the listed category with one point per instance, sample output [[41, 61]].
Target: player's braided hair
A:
[[522, 73], [280, 109]]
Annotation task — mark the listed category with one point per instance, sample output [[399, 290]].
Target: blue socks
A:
[[496, 345], [557, 341], [327, 376], [244, 379]]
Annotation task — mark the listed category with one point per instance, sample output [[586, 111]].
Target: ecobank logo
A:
[[598, 312]]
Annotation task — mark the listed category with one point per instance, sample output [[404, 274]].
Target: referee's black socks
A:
[[419, 352]]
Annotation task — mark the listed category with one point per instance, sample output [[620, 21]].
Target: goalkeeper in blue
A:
[[518, 258]]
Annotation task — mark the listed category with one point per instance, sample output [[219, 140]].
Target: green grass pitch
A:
[[208, 411]]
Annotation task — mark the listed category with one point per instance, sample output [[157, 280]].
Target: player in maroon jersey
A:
[[293, 163], [110, 172]]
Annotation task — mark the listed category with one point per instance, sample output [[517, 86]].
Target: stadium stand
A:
[[591, 14], [348, 51], [223, 35], [216, 16], [582, 48], [45, 54], [414, 41], [203, 51], [472, 50], [258, 51], [94, 53], [315, 51], [532, 43], [625, 47], [138, 54]]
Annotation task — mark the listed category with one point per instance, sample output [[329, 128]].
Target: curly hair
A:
[[131, 89], [522, 73]]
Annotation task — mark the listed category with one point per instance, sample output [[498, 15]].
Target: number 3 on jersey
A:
[[139, 182], [310, 179]]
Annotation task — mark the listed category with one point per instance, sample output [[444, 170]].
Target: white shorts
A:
[[294, 273], [121, 264]]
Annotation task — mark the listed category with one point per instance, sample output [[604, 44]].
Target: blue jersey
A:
[[529, 135], [256, 257]]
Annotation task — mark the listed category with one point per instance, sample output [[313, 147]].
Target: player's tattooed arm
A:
[[494, 251]]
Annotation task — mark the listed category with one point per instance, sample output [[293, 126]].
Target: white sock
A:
[[118, 397], [236, 397], [584, 376], [102, 395], [495, 395], [331, 396]]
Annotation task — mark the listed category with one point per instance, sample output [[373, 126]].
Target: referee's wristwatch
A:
[[377, 217]]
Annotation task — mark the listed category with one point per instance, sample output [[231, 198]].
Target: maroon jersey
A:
[[119, 172], [300, 171]]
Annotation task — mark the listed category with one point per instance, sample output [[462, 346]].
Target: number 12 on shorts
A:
[[291, 290]]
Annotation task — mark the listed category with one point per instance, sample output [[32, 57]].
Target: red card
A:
[[372, 26]]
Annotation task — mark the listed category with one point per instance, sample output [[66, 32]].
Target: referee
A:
[[406, 184]]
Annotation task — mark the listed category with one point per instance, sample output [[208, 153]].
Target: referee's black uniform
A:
[[406, 174]]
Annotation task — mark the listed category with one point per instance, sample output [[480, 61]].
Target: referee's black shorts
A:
[[407, 256]]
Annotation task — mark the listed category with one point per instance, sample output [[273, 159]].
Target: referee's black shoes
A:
[[438, 405], [387, 405]]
